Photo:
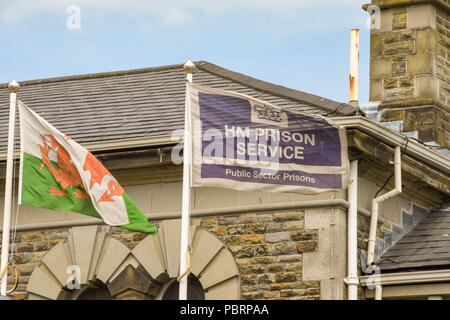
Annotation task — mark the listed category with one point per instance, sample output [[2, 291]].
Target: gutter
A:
[[407, 278], [131, 143], [392, 138], [377, 281]]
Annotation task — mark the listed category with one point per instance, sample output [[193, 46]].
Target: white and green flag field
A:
[[57, 173]]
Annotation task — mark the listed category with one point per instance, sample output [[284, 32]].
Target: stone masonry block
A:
[[32, 237], [277, 236], [302, 235], [252, 238], [398, 94], [420, 16], [380, 68], [376, 47], [392, 115], [307, 246], [426, 40], [405, 47], [406, 82], [390, 83], [420, 63], [375, 90], [426, 86], [288, 247], [399, 21], [398, 68], [418, 117], [287, 216], [293, 225], [259, 227]]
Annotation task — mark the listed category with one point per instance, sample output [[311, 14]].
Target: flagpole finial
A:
[[189, 68], [14, 86]]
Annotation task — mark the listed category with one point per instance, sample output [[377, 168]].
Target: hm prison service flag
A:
[[59, 174], [247, 144]]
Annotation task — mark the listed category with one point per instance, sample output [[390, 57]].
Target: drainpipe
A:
[[352, 245], [378, 200], [352, 227], [378, 292]]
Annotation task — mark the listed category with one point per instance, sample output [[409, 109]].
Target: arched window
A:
[[195, 290], [97, 291]]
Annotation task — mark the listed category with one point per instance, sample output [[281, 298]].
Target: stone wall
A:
[[268, 249], [29, 248], [410, 70], [442, 65]]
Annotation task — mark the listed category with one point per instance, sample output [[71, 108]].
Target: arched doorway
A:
[[105, 268]]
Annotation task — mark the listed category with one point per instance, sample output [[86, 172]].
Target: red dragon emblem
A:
[[67, 175]]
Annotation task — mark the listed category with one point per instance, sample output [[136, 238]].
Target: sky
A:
[[299, 44]]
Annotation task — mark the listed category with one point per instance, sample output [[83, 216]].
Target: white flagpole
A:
[[14, 88], [189, 68]]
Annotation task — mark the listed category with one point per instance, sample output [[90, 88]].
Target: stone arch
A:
[[100, 258], [212, 263]]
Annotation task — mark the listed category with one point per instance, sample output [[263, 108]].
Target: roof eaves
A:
[[419, 276]]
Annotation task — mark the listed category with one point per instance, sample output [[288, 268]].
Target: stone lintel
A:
[[412, 103]]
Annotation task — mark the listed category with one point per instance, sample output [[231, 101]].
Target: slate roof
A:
[[142, 102], [426, 246]]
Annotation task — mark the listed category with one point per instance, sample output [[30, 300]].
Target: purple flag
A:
[[243, 143]]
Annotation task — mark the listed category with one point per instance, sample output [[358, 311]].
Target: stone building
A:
[[252, 245], [409, 85], [409, 67]]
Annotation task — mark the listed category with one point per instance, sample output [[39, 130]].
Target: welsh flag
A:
[[59, 174]]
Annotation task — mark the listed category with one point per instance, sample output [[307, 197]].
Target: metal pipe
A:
[[378, 292], [354, 66], [411, 277], [189, 68], [14, 88], [375, 205], [352, 238], [198, 213]]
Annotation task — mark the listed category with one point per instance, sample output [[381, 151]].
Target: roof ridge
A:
[[333, 107], [95, 75], [281, 91]]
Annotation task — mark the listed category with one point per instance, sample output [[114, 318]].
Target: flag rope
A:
[[188, 270], [16, 276], [13, 234], [16, 211], [4, 269]]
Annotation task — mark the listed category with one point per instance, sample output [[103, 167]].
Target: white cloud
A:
[[311, 14]]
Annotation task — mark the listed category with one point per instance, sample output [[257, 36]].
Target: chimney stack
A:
[[409, 66]]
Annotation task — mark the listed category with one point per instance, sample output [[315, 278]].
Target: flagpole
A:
[[14, 88], [189, 68]]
